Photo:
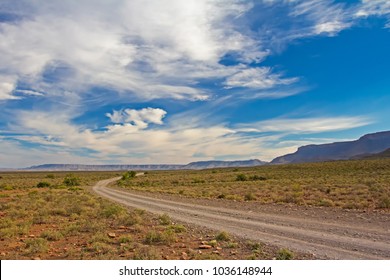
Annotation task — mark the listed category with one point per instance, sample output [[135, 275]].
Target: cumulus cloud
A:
[[140, 118], [7, 86]]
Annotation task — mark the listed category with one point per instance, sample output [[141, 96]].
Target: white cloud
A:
[[140, 118], [306, 125], [370, 7], [325, 16], [258, 78], [130, 46], [176, 142], [374, 8], [29, 92], [7, 86]]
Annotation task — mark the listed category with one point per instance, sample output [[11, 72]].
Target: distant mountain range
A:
[[219, 164], [374, 145], [192, 165], [365, 145]]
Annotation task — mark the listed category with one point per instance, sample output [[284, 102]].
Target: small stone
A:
[[31, 236], [216, 252], [36, 259], [122, 227], [111, 234], [219, 248], [204, 246], [184, 256], [204, 242]]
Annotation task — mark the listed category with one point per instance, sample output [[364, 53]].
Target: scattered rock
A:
[[204, 246], [111, 234], [219, 248], [36, 259], [216, 252], [31, 236]]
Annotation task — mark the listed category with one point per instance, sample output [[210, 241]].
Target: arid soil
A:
[[326, 233]]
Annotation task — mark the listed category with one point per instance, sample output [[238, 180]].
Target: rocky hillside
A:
[[367, 144]]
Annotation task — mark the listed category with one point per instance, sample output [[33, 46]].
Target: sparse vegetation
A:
[[165, 219], [241, 177], [54, 216], [53, 222], [222, 236], [71, 181], [128, 175], [43, 185], [358, 184], [284, 254]]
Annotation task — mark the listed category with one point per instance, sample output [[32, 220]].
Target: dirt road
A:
[[325, 232]]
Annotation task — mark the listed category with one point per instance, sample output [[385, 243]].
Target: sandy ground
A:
[[326, 233]]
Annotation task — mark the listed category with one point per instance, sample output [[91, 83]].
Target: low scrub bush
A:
[[165, 219], [241, 177], [43, 185], [129, 175], [222, 236], [284, 254], [71, 181], [36, 245]]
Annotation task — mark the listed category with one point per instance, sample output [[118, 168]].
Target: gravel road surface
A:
[[327, 233]]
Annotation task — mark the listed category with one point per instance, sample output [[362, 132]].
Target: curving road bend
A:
[[323, 235]]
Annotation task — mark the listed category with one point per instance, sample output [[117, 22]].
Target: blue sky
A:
[[171, 81]]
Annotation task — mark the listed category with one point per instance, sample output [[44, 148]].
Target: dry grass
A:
[[359, 184], [55, 221]]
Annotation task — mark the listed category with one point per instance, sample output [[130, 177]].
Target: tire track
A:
[[330, 240]]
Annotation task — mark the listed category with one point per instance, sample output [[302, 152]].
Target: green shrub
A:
[[177, 228], [241, 177], [165, 219], [37, 245], [154, 237], [51, 235], [222, 236], [112, 211], [257, 178], [129, 175], [284, 254], [71, 180]]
